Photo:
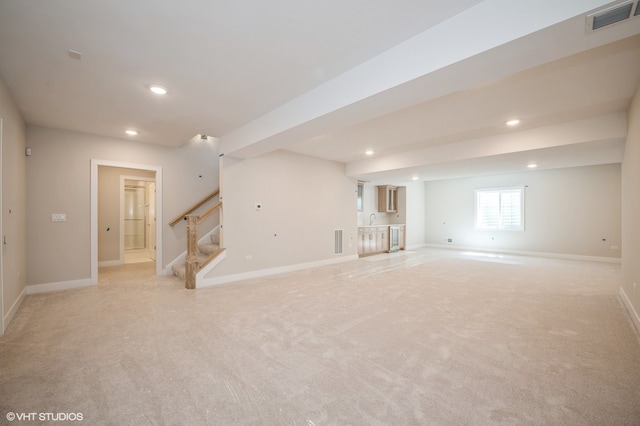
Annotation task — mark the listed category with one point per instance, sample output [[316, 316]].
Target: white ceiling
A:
[[331, 79]]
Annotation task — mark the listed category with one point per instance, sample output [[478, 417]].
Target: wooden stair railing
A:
[[183, 215], [192, 263]]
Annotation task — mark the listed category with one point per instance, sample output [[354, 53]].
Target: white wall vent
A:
[[337, 236], [612, 15]]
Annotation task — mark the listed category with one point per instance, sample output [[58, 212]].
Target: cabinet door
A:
[[392, 197], [383, 238], [387, 199]]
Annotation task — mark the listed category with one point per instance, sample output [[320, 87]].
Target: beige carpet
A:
[[431, 337]]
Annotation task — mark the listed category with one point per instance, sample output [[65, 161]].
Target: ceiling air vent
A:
[[611, 15]]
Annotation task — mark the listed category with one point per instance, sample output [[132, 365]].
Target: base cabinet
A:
[[375, 239]]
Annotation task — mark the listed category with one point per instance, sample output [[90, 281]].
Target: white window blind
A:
[[500, 209]]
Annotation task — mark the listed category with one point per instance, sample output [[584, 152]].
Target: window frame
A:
[[500, 191], [360, 196]]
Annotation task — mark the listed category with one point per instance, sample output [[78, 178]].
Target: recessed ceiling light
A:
[[514, 122], [414, 178], [158, 90], [131, 132], [532, 165], [369, 152], [73, 54]]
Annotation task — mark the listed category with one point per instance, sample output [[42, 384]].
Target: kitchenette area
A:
[[381, 219]]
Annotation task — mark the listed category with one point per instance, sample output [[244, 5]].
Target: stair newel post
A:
[[192, 252]]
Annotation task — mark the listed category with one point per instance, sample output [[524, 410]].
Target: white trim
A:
[[3, 323], [531, 253], [94, 211], [209, 266], [632, 312], [104, 263], [226, 279], [414, 246], [14, 308], [63, 285]]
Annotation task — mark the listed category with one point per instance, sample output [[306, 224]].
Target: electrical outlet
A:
[[614, 247], [248, 257], [635, 287]]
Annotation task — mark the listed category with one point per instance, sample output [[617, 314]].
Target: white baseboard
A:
[[210, 266], [226, 279], [530, 253], [64, 285], [110, 263], [13, 309], [632, 312], [415, 246]]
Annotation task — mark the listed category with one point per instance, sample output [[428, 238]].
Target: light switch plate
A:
[[58, 217]]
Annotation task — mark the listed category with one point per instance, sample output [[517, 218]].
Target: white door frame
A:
[[94, 211], [1, 243]]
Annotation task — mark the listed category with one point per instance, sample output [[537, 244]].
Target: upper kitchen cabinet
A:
[[388, 199]]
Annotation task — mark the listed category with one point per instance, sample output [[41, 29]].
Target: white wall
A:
[[303, 200], [415, 207], [631, 214], [13, 207], [58, 181], [567, 211]]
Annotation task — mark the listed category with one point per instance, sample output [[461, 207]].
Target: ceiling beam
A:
[[611, 127]]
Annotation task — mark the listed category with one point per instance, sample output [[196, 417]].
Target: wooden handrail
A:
[[210, 258], [215, 207], [183, 215]]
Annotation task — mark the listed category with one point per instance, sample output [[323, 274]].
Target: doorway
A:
[[107, 239]]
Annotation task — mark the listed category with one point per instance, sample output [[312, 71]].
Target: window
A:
[[500, 209], [360, 199]]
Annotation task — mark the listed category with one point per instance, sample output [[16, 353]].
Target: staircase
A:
[[204, 254], [207, 247]]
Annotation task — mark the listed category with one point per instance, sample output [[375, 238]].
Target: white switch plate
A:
[[58, 217]]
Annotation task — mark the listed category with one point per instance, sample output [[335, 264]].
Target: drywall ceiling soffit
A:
[[505, 152], [597, 82], [576, 155], [224, 63], [462, 53]]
